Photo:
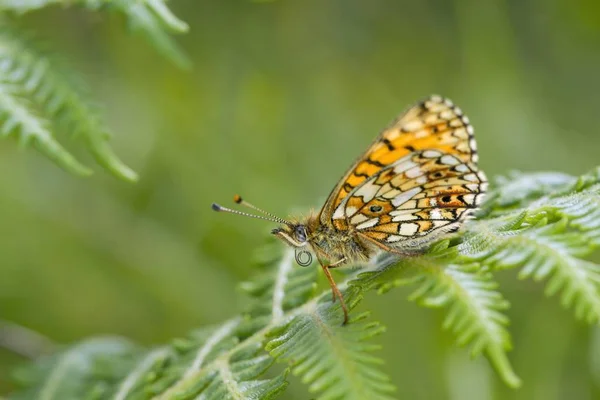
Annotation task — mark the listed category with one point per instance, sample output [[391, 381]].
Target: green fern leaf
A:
[[334, 360], [548, 238], [24, 6], [474, 306], [86, 370], [44, 83], [546, 230], [19, 119], [152, 18]]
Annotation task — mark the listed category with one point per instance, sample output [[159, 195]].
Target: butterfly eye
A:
[[375, 208], [300, 233]]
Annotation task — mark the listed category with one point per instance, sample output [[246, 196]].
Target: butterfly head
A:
[[295, 235]]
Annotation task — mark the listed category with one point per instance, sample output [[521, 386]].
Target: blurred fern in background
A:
[[40, 96]]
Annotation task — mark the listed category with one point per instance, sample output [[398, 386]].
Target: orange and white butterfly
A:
[[418, 180]]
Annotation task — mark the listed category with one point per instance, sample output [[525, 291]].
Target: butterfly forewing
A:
[[419, 178]]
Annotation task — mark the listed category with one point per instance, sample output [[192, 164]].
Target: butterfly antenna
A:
[[238, 199], [268, 217]]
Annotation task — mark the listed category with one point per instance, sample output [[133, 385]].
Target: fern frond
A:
[[88, 369], [547, 239], [216, 367], [151, 18], [24, 6], [474, 311], [334, 360], [517, 189], [280, 287], [546, 231], [19, 119], [39, 95], [469, 295], [43, 84]]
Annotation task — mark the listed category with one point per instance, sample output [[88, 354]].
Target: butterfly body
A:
[[418, 181], [328, 243]]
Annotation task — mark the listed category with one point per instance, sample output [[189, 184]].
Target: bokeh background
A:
[[282, 97]]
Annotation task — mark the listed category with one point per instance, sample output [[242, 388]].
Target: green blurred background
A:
[[282, 97]]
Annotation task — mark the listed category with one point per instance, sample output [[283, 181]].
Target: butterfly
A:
[[417, 181]]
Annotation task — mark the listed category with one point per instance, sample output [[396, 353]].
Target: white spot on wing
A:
[[462, 168], [408, 229], [436, 214], [368, 224], [404, 217], [411, 204], [470, 178], [469, 199], [450, 160], [394, 238], [404, 197], [351, 210], [403, 164], [358, 218], [339, 212], [473, 144], [413, 125], [368, 190], [431, 154], [447, 114], [414, 172]]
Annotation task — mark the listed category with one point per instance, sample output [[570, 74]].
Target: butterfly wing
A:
[[420, 176]]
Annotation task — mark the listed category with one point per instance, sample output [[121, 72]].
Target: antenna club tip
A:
[[216, 207], [237, 198]]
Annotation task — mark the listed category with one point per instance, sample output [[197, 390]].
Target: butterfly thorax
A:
[[330, 244], [336, 245]]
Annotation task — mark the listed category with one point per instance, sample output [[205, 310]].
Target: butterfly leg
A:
[[332, 266], [334, 289]]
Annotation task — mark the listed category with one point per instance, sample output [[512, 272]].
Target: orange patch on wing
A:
[[379, 236], [391, 228], [355, 202]]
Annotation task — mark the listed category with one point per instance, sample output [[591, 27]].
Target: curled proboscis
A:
[[303, 257]]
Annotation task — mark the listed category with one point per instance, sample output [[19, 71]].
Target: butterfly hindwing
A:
[[428, 192]]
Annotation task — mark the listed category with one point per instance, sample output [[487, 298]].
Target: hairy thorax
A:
[[334, 245]]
